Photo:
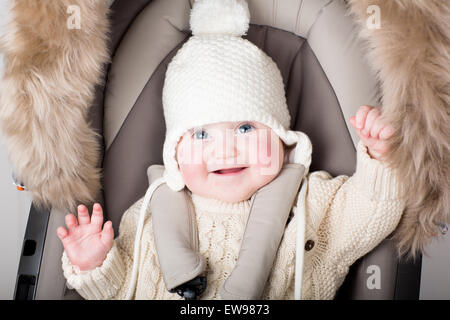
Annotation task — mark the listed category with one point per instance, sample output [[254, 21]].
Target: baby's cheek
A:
[[270, 157], [190, 172]]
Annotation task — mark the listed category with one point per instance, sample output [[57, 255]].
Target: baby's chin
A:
[[228, 189], [234, 198], [226, 195]]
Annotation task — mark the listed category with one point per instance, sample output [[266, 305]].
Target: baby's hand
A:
[[372, 131], [85, 242]]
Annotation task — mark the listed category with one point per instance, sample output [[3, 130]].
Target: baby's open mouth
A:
[[230, 171]]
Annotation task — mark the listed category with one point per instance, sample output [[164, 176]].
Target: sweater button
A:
[[309, 245]]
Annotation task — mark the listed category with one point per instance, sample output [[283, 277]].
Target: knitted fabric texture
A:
[[346, 218]]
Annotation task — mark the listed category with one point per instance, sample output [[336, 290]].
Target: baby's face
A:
[[229, 161]]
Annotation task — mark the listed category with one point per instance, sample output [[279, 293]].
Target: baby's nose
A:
[[225, 151], [225, 148]]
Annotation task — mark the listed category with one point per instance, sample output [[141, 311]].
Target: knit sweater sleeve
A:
[[110, 280], [360, 212]]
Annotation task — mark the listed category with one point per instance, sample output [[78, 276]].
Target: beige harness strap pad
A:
[[175, 233], [176, 237], [270, 209]]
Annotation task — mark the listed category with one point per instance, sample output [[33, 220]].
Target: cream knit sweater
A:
[[346, 217]]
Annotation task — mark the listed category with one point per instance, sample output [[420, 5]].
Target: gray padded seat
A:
[[314, 44]]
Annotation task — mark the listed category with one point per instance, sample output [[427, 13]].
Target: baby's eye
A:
[[245, 128], [200, 134]]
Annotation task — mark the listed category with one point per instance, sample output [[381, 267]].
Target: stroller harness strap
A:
[[175, 233], [176, 238], [269, 212]]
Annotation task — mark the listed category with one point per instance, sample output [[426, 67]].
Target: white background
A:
[[15, 206]]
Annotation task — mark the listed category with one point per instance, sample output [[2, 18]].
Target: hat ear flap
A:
[[299, 147], [174, 180]]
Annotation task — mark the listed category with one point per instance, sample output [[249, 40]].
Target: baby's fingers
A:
[[361, 115], [97, 215], [372, 116], [386, 133], [107, 234], [377, 126], [62, 233], [71, 221], [83, 215]]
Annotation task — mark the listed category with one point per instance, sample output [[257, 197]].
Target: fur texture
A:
[[411, 54], [47, 88]]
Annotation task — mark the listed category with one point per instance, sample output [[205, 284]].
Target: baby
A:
[[227, 137]]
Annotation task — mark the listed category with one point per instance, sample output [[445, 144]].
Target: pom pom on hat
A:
[[220, 17]]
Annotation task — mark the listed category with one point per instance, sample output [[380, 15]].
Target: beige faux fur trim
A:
[[48, 86], [411, 54]]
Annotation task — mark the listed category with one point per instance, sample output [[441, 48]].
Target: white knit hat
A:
[[217, 76]]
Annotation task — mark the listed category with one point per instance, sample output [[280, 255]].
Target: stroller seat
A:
[[322, 61]]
